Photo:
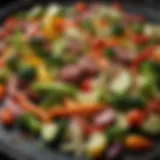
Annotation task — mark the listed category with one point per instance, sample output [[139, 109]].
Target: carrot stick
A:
[[2, 62], [145, 55], [2, 92], [30, 107], [11, 88], [79, 110], [24, 102]]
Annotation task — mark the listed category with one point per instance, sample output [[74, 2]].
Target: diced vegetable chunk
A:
[[96, 145]]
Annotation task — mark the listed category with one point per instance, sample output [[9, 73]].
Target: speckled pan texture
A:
[[19, 147]]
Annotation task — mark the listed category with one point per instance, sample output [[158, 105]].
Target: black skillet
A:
[[18, 147]]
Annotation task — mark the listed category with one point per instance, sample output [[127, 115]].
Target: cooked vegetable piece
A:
[[27, 106], [88, 26], [7, 117], [30, 123], [138, 28], [35, 13], [2, 92], [88, 66], [136, 118], [110, 53], [79, 110], [117, 30], [144, 56], [96, 145], [81, 7], [49, 132], [115, 133], [27, 73], [38, 45], [17, 40], [88, 98], [105, 118], [150, 70], [152, 124], [115, 150], [126, 102], [58, 88], [57, 60], [71, 74], [121, 83], [4, 75], [53, 134], [13, 63], [137, 142]]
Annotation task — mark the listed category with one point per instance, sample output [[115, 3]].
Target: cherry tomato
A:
[[136, 118], [81, 7], [7, 117], [11, 23], [3, 34], [98, 44]]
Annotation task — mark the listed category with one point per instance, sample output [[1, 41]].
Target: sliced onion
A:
[[15, 108], [105, 118], [114, 151]]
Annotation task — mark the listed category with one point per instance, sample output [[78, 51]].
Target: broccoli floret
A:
[[138, 28], [37, 44], [13, 63], [117, 30], [27, 73], [115, 133], [150, 70], [110, 53], [30, 123]]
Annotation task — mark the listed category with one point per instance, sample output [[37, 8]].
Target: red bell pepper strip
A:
[[86, 85], [81, 7], [142, 57], [140, 39], [117, 5], [88, 128]]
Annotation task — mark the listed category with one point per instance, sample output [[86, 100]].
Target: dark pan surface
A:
[[20, 147]]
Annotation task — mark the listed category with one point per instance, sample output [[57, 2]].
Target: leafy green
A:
[[89, 26]]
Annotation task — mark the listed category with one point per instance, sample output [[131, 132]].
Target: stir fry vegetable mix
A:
[[80, 77]]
